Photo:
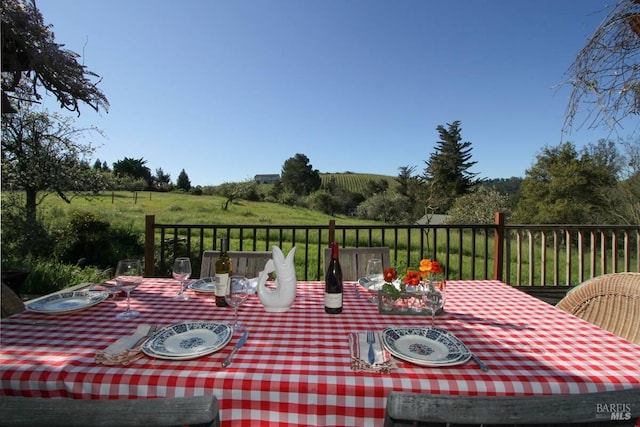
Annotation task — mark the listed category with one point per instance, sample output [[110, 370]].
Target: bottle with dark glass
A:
[[223, 273], [333, 283]]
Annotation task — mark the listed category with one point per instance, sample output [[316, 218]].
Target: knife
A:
[[226, 362], [483, 366]]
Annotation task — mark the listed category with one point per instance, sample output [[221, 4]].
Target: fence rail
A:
[[522, 255]]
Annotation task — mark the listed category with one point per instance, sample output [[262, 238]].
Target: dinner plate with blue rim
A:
[[188, 340], [205, 285], [425, 346], [67, 302]]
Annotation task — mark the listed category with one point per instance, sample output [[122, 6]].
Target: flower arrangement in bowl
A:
[[405, 296]]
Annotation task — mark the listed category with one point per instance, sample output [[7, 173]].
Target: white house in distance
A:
[[267, 178]]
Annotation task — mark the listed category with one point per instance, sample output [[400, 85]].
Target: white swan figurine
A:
[[282, 297]]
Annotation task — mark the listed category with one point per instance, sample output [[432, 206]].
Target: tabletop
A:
[[295, 366]]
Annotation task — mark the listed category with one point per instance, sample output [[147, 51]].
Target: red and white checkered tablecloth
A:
[[294, 368]]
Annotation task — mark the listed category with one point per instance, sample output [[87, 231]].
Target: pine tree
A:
[[183, 181], [447, 172]]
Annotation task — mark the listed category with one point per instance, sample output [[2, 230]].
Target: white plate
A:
[[188, 340], [67, 302], [205, 285], [425, 346]]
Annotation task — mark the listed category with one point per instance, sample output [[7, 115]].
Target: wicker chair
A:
[[611, 301], [11, 303]]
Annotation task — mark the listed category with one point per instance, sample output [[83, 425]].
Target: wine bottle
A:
[[223, 273], [333, 283]]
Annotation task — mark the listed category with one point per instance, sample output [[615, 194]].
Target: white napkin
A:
[[126, 349], [359, 348]]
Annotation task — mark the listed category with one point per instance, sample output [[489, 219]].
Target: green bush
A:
[[89, 240], [46, 276]]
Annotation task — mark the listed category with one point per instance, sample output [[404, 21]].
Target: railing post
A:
[[498, 251], [149, 244]]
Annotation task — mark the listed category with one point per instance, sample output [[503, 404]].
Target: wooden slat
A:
[[245, 263], [457, 409], [31, 411], [353, 261]]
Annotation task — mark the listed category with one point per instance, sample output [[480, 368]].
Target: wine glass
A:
[[237, 292], [181, 272], [375, 277], [128, 277], [433, 300]]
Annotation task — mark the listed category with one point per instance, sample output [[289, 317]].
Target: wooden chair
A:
[[611, 301], [245, 263], [405, 409], [33, 411], [353, 261]]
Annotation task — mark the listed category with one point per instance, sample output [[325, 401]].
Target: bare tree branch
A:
[[605, 75]]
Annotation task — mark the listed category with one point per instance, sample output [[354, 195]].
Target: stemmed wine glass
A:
[[128, 277], [181, 272], [237, 292], [375, 278], [433, 300]]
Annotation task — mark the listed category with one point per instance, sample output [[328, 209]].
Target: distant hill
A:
[[355, 182]]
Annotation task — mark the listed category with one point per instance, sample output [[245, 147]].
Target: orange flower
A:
[[427, 266], [390, 274], [412, 278]]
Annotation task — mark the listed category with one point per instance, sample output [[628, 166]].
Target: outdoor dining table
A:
[[295, 366]]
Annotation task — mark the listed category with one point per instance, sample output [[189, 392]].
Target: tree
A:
[[29, 53], [299, 177], [388, 206], [183, 181], [40, 156], [162, 179], [565, 187], [478, 207], [605, 75], [447, 172], [133, 168]]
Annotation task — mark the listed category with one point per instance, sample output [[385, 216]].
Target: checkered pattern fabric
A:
[[295, 367]]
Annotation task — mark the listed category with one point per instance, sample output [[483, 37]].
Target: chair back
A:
[[610, 301], [245, 263], [353, 261], [475, 410], [179, 411], [11, 302]]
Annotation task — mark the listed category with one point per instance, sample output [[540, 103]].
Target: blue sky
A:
[[229, 89]]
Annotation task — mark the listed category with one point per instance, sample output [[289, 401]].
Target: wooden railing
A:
[[522, 255]]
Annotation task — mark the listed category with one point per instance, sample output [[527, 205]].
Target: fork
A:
[[371, 339]]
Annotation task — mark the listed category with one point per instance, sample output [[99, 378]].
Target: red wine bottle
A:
[[333, 283]]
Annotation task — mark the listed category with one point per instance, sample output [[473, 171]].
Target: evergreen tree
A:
[[183, 181], [447, 172]]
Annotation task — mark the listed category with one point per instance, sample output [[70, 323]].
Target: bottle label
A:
[[333, 300], [222, 284]]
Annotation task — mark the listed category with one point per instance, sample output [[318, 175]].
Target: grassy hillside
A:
[[127, 209], [355, 182]]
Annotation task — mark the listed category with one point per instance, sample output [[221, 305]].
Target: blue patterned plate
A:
[[67, 302], [205, 285], [188, 340], [425, 346]]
